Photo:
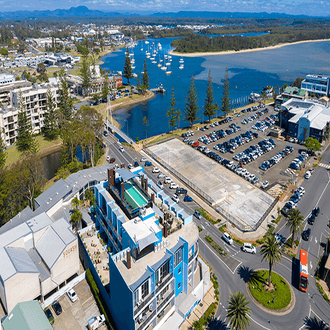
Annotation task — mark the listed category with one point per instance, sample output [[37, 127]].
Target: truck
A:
[[95, 322]]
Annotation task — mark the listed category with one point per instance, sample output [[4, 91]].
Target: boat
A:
[[133, 67], [154, 62], [146, 42], [181, 60], [152, 58], [165, 57], [168, 72], [159, 65], [169, 56], [167, 63], [164, 68], [181, 66]]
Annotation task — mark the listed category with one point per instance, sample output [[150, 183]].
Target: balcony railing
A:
[[192, 257], [111, 226], [144, 303], [166, 300], [145, 323], [165, 281]]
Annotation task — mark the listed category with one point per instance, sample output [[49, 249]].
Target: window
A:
[[162, 271], [179, 285], [177, 257], [144, 289], [179, 270], [136, 298]]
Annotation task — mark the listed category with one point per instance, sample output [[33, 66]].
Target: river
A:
[[248, 72]]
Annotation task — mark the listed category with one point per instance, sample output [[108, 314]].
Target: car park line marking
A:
[[86, 300], [315, 240], [68, 299]]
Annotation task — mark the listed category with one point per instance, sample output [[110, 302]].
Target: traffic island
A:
[[279, 299]]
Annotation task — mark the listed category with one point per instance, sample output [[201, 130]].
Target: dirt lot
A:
[[279, 172], [76, 315]]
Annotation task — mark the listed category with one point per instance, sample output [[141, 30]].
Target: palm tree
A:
[[271, 252], [75, 218], [76, 203], [238, 312], [295, 222]]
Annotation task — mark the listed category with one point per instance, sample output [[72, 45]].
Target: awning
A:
[[145, 241], [125, 174]]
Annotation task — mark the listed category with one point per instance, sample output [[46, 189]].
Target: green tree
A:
[[85, 74], [3, 154], [263, 97], [90, 197], [127, 72], [105, 88], [76, 203], [297, 82], [191, 108], [145, 77], [225, 101], [41, 68], [65, 101], [238, 311], [172, 111], [209, 107], [295, 222], [270, 252], [312, 144], [4, 52], [138, 82], [75, 218], [51, 131], [146, 122], [25, 141], [177, 118]]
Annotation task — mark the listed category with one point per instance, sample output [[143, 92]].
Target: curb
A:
[[288, 309]]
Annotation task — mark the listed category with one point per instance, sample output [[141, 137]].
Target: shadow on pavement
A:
[[295, 273], [315, 324], [217, 325], [248, 275]]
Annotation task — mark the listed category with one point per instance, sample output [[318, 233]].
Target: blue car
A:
[[148, 163], [187, 199]]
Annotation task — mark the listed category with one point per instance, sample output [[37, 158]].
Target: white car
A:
[[174, 185], [175, 198], [160, 185], [168, 180], [227, 238], [308, 175], [161, 175], [155, 170], [265, 184], [130, 166], [248, 247], [72, 295], [108, 158], [144, 159], [121, 148]]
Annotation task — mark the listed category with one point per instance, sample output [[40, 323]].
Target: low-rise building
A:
[[153, 274], [305, 118], [289, 93], [35, 103], [317, 84]]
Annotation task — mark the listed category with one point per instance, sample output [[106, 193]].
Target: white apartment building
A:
[[35, 100]]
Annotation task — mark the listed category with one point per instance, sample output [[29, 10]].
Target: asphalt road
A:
[[233, 270]]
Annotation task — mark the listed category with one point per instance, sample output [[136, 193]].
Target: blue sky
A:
[[306, 7]]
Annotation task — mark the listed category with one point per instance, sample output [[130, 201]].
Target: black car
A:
[[306, 233], [136, 164], [311, 219], [57, 307], [316, 211], [180, 191], [49, 315]]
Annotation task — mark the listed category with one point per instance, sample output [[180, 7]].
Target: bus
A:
[[303, 276]]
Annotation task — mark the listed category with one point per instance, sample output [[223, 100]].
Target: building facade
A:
[[155, 276], [35, 103], [304, 118], [317, 84]]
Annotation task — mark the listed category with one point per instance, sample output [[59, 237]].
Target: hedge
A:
[[207, 216], [99, 300], [208, 315], [215, 246]]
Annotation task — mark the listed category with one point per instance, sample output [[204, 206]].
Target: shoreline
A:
[[132, 102], [229, 52]]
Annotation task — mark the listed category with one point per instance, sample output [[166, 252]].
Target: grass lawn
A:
[[281, 293], [13, 155]]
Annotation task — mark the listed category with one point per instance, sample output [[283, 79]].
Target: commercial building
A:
[[289, 93], [304, 118], [38, 250], [6, 79], [26, 316], [35, 103], [152, 273], [317, 84]]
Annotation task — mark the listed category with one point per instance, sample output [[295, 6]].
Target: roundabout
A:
[[277, 300]]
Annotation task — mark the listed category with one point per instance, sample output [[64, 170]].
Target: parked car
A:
[[226, 237], [49, 315], [130, 166], [248, 247], [143, 159], [72, 295], [187, 199], [279, 238], [181, 191], [174, 185], [155, 170], [161, 175], [136, 164], [175, 198], [57, 307], [112, 160], [148, 163], [306, 233], [197, 215], [307, 175], [160, 185], [168, 180], [95, 322]]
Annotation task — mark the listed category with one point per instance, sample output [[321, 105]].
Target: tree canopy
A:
[[191, 108]]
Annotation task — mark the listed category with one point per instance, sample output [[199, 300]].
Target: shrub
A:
[[200, 229], [209, 239], [207, 216], [222, 228]]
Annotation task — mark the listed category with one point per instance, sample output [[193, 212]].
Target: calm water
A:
[[248, 72], [247, 34]]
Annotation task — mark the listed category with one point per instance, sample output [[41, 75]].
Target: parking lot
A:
[[75, 315], [279, 172]]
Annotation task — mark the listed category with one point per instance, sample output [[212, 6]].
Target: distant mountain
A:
[[214, 14], [81, 11]]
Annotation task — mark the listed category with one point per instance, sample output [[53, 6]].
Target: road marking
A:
[[311, 264], [315, 240], [86, 300], [324, 165], [290, 270], [202, 226], [307, 319], [260, 325]]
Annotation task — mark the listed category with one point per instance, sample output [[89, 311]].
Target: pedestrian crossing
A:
[[324, 165], [290, 171]]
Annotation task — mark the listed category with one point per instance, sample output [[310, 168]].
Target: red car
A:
[[112, 160], [195, 144]]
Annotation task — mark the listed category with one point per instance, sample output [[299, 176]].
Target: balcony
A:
[[165, 281], [108, 222], [165, 301], [144, 303], [145, 323]]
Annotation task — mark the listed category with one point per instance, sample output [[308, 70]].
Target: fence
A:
[[181, 177]]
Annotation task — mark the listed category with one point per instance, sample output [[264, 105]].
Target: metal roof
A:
[[27, 316], [21, 260], [125, 174]]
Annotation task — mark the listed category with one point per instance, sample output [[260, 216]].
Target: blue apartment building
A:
[[155, 277]]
